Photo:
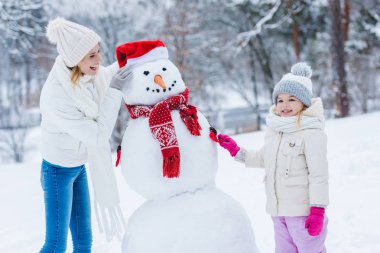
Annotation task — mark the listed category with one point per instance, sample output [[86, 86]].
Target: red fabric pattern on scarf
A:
[[162, 127]]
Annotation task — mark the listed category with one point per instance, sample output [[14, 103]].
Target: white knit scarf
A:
[[311, 118], [103, 178]]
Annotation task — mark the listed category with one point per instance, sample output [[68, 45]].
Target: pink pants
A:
[[291, 236]]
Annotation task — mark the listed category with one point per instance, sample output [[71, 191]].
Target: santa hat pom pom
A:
[[52, 29], [301, 69]]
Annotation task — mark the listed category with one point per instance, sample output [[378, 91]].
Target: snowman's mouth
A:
[[163, 90]]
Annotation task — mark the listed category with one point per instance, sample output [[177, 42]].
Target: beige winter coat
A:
[[296, 168]]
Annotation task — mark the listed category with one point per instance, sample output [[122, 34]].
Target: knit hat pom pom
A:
[[301, 69], [52, 29]]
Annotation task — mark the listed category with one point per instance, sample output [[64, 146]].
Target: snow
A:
[[204, 221], [353, 153]]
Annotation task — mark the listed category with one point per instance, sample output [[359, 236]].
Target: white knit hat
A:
[[73, 41]]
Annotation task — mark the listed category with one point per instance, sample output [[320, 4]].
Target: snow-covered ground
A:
[[354, 223]]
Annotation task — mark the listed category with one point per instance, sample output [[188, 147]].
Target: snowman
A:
[[168, 157]]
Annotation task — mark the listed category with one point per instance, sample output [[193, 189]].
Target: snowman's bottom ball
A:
[[207, 221]]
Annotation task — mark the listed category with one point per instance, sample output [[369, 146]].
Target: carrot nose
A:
[[158, 80]]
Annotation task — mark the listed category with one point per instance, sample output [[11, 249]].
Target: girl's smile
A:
[[288, 105]]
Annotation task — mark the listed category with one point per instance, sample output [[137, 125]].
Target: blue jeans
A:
[[67, 203]]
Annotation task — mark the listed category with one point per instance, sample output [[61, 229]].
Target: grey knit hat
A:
[[297, 83]]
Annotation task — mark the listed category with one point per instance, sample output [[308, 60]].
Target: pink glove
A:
[[314, 222], [228, 143]]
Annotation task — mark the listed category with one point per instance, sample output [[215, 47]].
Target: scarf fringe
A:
[[171, 166], [111, 221], [190, 118]]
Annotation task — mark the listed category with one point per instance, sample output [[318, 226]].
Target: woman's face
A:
[[288, 105], [89, 65]]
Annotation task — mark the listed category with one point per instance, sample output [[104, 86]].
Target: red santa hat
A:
[[135, 53]]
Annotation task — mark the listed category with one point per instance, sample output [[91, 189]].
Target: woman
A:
[[78, 112]]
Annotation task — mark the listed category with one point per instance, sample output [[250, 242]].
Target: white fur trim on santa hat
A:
[[153, 55], [299, 79]]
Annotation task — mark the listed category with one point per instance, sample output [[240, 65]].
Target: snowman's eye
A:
[[146, 72], [164, 69]]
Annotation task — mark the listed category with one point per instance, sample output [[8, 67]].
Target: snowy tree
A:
[[12, 144], [219, 46], [183, 35], [237, 31], [362, 51], [22, 28]]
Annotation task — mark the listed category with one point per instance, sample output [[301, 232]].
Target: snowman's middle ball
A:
[[141, 158]]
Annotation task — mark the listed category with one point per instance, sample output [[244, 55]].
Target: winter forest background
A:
[[231, 53]]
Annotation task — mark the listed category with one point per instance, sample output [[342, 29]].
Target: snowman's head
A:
[[153, 77], [153, 82]]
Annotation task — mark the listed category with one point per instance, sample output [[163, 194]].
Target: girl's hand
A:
[[314, 222], [228, 143]]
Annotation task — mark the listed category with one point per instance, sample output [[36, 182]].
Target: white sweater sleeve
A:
[[112, 69], [89, 131]]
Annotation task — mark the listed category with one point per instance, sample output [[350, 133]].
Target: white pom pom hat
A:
[[296, 83], [73, 41]]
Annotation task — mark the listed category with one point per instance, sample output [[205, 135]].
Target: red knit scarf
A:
[[162, 127]]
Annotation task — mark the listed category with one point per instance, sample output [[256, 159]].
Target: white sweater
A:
[[66, 131]]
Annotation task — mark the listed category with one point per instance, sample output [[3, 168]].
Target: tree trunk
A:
[[263, 58], [295, 31], [346, 19], [296, 44], [254, 85], [338, 60], [28, 83]]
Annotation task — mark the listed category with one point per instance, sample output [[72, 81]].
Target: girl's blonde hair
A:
[[298, 116], [76, 73]]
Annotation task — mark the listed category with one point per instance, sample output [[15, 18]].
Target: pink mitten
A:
[[314, 222], [228, 143]]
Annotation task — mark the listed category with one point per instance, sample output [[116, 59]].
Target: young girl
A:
[[79, 112], [294, 158]]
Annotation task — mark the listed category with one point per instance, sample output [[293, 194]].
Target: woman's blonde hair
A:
[[76, 73]]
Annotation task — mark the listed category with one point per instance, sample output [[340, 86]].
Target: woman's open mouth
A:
[[94, 68]]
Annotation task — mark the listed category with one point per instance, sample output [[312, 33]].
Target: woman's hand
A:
[[119, 79]]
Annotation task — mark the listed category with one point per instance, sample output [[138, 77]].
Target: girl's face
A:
[[89, 65], [288, 105]]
